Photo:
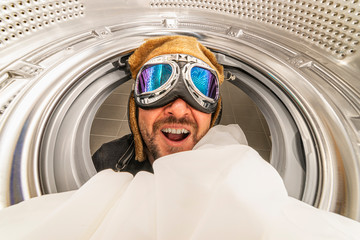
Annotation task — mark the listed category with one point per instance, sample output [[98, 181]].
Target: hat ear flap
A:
[[134, 127]]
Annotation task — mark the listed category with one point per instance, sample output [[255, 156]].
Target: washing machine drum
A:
[[298, 62]]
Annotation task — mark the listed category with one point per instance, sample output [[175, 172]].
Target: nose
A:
[[178, 108]]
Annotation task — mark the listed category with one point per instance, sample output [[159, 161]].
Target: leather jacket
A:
[[119, 155]]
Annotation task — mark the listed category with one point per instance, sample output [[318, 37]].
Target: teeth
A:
[[175, 131]]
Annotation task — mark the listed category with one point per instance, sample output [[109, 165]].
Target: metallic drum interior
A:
[[296, 61]]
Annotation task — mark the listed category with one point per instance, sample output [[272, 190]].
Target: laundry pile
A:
[[222, 189]]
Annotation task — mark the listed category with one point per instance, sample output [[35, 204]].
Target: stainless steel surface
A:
[[24, 17], [330, 25], [304, 54]]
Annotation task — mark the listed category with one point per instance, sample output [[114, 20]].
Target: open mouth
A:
[[175, 134]]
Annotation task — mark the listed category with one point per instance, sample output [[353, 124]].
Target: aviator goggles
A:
[[165, 78]]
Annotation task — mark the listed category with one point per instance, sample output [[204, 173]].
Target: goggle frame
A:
[[173, 60]]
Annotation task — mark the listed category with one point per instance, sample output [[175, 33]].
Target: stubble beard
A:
[[150, 139]]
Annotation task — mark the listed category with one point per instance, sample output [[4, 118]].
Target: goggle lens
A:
[[153, 76], [204, 81]]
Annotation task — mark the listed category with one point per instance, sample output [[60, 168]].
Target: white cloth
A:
[[220, 190]]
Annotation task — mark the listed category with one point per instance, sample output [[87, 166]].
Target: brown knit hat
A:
[[166, 45]]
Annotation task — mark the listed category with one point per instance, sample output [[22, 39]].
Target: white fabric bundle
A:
[[220, 190]]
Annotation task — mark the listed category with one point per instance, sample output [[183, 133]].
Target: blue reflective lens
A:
[[153, 76], [205, 81]]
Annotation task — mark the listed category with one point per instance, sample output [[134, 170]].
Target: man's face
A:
[[172, 128]]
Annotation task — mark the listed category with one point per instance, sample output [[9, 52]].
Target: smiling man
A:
[[173, 128], [174, 103]]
